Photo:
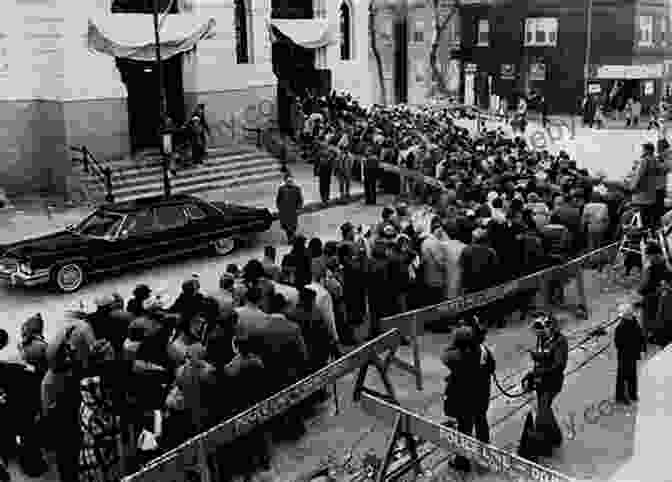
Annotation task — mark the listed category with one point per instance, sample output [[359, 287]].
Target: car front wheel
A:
[[68, 277], [224, 246]]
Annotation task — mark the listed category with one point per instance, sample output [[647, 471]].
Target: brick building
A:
[[512, 48]]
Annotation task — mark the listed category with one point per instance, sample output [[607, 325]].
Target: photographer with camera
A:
[[547, 378]]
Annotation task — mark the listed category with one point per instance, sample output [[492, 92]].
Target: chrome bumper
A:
[[21, 279]]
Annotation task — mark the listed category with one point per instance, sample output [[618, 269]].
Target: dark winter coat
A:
[[629, 339], [289, 201]]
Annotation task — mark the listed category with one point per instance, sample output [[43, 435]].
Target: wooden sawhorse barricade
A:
[[412, 323], [191, 461], [408, 425]]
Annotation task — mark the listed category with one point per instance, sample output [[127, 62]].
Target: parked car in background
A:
[[120, 235]]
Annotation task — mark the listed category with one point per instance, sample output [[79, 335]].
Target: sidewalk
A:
[[32, 216]]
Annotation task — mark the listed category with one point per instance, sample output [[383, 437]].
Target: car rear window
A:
[[171, 217], [100, 223]]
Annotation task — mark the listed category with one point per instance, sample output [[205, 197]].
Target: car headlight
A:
[[25, 268]]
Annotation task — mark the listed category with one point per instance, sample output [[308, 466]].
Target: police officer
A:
[[550, 361]]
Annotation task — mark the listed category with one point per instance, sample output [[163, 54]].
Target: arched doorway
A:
[[293, 65], [141, 83]]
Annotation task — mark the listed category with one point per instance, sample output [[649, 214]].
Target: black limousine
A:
[[119, 235]]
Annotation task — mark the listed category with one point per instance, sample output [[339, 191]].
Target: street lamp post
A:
[[589, 41], [159, 67], [162, 101]]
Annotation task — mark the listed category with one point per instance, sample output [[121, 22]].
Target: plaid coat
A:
[[99, 455]]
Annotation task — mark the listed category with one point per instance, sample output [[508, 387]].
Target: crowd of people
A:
[[506, 211]]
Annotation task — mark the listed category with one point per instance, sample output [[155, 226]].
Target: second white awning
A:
[[311, 33]]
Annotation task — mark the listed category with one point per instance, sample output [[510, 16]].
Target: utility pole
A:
[[589, 41]]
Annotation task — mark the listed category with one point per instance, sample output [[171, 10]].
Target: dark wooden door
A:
[[142, 83]]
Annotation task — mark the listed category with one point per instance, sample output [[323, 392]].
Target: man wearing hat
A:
[[630, 344], [289, 201]]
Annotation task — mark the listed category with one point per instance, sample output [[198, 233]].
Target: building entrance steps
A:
[[142, 175], [34, 216]]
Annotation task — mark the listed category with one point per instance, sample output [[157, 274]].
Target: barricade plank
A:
[[412, 323], [174, 465], [469, 302], [495, 459]]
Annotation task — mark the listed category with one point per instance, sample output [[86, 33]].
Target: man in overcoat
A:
[[289, 201]]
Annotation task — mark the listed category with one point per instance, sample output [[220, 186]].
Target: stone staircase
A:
[[224, 168]]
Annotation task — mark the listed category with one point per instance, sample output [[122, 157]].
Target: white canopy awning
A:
[[311, 33], [131, 36]]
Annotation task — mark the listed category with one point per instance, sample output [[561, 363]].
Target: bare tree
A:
[[443, 12], [374, 10]]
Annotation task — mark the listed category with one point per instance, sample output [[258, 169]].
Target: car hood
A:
[[44, 245]]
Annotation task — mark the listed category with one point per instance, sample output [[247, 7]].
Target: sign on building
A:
[[508, 72], [631, 72], [648, 87], [594, 88], [471, 68]]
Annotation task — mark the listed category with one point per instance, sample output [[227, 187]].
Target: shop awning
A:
[[131, 36], [311, 33]]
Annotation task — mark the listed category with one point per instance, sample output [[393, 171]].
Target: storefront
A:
[[618, 83]]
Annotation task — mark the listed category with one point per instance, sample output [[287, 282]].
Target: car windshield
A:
[[100, 223]]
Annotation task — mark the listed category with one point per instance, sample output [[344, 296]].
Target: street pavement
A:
[[19, 303], [611, 151]]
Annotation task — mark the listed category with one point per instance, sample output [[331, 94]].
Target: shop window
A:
[[242, 24], [346, 31], [419, 32], [645, 38], [541, 32], [483, 33]]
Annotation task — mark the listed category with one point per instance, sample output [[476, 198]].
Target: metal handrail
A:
[[102, 173], [258, 131]]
